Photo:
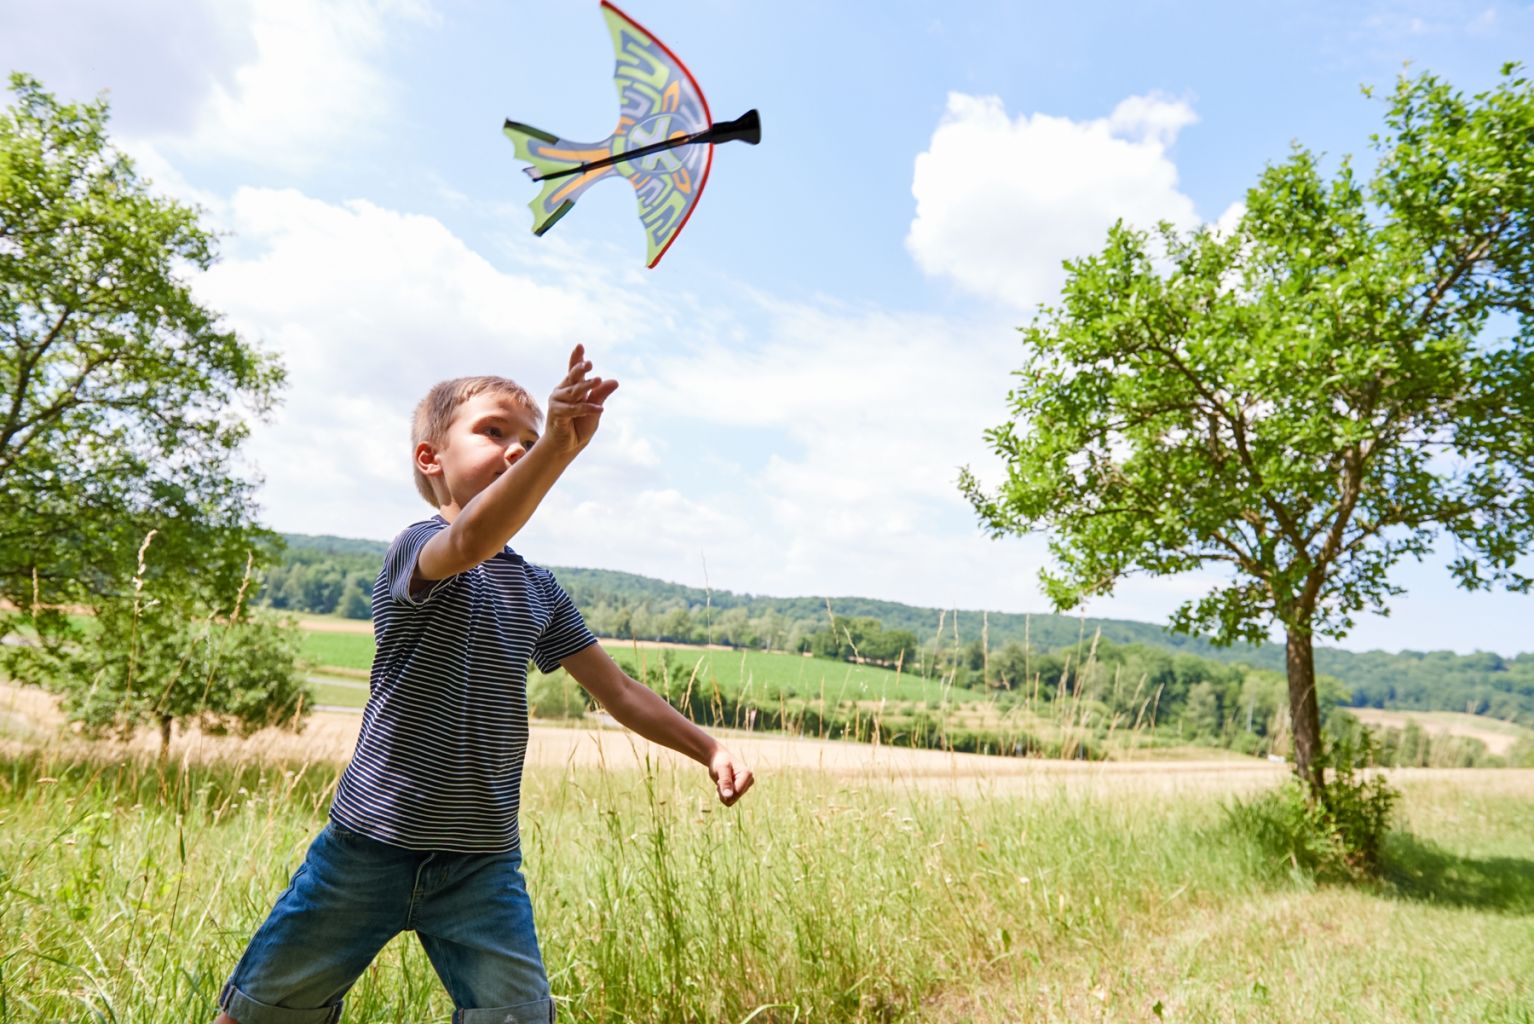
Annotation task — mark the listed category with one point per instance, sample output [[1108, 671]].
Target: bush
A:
[[1336, 835], [555, 695]]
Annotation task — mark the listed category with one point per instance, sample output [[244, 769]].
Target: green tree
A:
[[1341, 379], [1009, 667], [123, 401], [1205, 711], [161, 653], [356, 599], [122, 394]]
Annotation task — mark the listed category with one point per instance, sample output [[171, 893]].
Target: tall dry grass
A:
[[130, 887]]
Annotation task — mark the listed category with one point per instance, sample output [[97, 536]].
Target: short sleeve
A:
[[566, 632], [399, 563]]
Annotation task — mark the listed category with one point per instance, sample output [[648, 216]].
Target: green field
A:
[[816, 697], [758, 675], [342, 693], [767, 676], [1451, 720], [343, 650], [129, 891]]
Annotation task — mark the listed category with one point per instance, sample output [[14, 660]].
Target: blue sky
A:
[[822, 348]]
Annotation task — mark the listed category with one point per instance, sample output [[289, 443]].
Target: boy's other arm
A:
[[643, 710], [495, 515]]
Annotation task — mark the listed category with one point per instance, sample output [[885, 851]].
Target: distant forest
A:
[[334, 575]]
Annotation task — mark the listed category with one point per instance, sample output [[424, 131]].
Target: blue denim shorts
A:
[[352, 894]]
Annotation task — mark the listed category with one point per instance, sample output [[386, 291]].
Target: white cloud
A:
[[313, 86], [159, 59], [875, 411], [1412, 22], [1000, 203], [1226, 223], [1484, 23], [857, 420], [368, 308], [274, 83]]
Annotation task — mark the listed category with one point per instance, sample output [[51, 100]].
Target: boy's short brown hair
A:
[[434, 414]]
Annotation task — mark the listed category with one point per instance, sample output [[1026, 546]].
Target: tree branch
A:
[[1352, 478], [1238, 431], [13, 423], [1465, 262]]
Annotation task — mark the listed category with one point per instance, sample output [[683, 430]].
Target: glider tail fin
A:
[[546, 154]]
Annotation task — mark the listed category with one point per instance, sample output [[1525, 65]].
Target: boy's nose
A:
[[513, 453]]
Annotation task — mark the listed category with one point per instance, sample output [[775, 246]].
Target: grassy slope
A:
[[759, 674], [129, 894], [1498, 736]]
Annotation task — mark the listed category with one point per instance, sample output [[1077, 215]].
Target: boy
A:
[[423, 830]]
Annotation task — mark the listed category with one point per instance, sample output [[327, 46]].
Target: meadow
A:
[[761, 690], [130, 887], [761, 675]]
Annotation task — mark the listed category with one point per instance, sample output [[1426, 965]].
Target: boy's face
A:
[[487, 436]]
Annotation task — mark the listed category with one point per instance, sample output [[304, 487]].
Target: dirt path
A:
[[318, 625], [29, 717]]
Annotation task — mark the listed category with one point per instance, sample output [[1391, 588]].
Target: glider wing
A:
[[658, 99]]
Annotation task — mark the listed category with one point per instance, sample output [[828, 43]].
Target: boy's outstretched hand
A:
[[575, 407], [730, 776]]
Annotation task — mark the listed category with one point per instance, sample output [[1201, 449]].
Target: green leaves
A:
[[1302, 402], [123, 401]]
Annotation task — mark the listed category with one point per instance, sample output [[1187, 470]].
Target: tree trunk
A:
[[1304, 709], [165, 722]]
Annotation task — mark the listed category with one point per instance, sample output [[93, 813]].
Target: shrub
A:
[[1337, 834], [555, 695]]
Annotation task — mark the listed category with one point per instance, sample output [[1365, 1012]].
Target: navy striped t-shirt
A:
[[439, 759]]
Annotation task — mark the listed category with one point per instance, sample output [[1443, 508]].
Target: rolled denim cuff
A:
[[539, 1011], [248, 1011]]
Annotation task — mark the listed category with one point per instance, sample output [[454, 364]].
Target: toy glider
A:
[[663, 144]]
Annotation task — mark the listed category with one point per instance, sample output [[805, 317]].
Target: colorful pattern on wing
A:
[[657, 100]]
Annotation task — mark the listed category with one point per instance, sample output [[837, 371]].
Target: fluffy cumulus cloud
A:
[[815, 452], [276, 83], [162, 58], [812, 450], [1002, 201], [313, 85], [779, 447], [367, 308]]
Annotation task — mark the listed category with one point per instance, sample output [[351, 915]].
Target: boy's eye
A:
[[527, 446], [492, 431]]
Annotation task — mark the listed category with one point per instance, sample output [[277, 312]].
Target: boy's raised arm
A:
[[641, 709], [493, 516]]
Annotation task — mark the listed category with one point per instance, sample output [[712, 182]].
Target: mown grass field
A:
[[1498, 736], [763, 675], [798, 695], [128, 893]]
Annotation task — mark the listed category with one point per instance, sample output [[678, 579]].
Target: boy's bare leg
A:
[[224, 1018]]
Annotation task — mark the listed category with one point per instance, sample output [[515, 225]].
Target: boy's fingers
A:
[[592, 392], [577, 354], [573, 409], [576, 375], [575, 388], [743, 779], [732, 780]]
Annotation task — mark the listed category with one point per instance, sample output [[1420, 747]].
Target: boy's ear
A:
[[426, 459]]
